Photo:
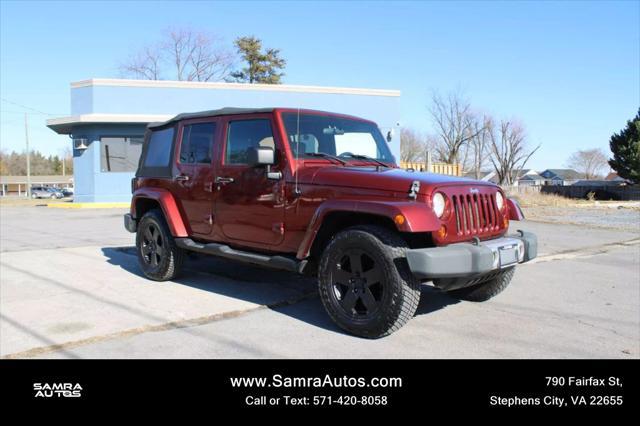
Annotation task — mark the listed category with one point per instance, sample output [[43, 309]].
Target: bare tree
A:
[[144, 65], [191, 55], [589, 162], [476, 150], [508, 149], [453, 119], [412, 148]]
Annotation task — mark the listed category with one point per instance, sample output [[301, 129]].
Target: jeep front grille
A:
[[475, 213]]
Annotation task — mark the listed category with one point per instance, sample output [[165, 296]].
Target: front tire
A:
[[158, 255], [486, 290], [365, 283]]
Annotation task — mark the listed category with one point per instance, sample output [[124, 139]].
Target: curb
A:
[[88, 205]]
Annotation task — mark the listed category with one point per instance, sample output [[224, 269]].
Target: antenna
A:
[[296, 191]]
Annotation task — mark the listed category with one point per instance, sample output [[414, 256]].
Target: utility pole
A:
[[26, 137]]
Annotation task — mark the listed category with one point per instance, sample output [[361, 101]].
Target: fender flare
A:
[[168, 205], [418, 217], [514, 210]]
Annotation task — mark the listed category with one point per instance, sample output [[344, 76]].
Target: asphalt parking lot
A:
[[70, 288]]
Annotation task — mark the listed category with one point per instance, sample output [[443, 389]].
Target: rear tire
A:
[[158, 255], [365, 283], [486, 290]]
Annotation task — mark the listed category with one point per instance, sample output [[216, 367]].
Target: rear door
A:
[[249, 206], [193, 182]]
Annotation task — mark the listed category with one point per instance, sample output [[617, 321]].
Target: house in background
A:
[[613, 176], [486, 175], [562, 177], [529, 177], [17, 185]]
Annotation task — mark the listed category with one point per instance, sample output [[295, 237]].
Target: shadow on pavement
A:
[[280, 291]]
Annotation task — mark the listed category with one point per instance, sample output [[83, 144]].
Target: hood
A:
[[397, 180]]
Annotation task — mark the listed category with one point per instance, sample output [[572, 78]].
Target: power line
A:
[[26, 107]]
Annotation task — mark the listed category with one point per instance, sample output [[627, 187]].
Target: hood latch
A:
[[413, 191]]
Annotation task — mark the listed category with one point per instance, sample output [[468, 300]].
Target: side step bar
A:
[[221, 250]]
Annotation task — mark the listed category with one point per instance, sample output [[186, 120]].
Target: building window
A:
[[120, 154], [246, 134], [197, 143]]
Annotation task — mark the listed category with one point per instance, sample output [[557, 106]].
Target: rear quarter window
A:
[[157, 153], [159, 148]]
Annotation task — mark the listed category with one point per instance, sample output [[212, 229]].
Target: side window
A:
[[197, 143], [245, 134], [159, 148]]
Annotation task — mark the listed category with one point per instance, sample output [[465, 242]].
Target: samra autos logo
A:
[[57, 390]]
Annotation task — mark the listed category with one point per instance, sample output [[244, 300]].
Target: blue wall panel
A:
[[92, 184]]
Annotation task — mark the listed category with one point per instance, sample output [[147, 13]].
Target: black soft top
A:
[[210, 113]]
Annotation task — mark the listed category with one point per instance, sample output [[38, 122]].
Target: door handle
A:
[[223, 180], [181, 178]]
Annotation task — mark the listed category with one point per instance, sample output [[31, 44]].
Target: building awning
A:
[[49, 179], [64, 125]]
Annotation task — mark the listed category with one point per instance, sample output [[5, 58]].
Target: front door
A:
[[249, 206], [194, 181]]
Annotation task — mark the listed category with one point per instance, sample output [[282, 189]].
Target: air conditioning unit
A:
[[80, 143]]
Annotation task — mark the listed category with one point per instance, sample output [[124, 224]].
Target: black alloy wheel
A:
[[365, 283], [158, 255], [152, 245], [357, 284]]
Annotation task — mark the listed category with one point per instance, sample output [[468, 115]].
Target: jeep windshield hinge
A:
[[413, 191]]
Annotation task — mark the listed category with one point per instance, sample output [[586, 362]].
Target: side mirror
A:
[[261, 156]]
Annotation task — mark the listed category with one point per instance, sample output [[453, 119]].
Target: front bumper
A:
[[472, 259], [130, 223]]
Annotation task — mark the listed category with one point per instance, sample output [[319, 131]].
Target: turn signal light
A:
[[399, 219], [442, 232], [505, 221]]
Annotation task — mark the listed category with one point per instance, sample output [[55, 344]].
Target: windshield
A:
[[342, 137]]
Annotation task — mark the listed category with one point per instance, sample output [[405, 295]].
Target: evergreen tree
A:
[[626, 150], [261, 67]]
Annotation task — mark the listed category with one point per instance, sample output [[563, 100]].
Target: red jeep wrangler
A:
[[320, 193]]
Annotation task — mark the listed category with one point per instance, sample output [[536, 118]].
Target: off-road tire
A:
[[485, 290], [399, 289], [168, 265]]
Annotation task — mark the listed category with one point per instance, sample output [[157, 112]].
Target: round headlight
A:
[[499, 200], [438, 202]]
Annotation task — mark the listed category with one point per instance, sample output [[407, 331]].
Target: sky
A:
[[569, 71]]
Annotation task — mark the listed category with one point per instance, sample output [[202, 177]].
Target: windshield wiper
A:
[[325, 155], [366, 157]]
